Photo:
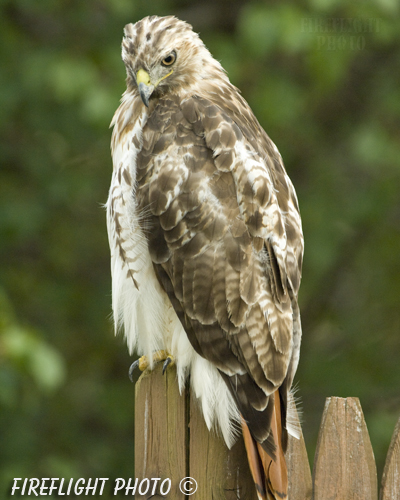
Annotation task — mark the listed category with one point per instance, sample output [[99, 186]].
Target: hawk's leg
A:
[[143, 363]]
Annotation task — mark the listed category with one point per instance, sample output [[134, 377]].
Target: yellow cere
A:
[[142, 77]]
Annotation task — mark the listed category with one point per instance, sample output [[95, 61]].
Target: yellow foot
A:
[[143, 363]]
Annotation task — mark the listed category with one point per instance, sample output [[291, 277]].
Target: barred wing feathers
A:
[[224, 235]]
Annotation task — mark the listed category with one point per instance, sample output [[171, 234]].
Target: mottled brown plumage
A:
[[205, 234]]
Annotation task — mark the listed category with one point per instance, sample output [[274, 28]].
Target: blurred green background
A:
[[323, 79]]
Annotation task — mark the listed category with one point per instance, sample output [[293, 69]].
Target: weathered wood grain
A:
[[172, 441], [344, 466], [160, 430], [390, 489], [221, 474], [299, 474]]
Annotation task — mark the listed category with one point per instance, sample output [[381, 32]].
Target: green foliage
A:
[[322, 77]]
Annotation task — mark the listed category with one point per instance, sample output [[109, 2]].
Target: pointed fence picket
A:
[[172, 441]]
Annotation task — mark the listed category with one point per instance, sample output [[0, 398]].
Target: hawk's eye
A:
[[169, 60]]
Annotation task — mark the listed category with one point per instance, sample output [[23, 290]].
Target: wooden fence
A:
[[172, 441]]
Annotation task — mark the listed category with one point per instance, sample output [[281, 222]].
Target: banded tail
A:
[[269, 471]]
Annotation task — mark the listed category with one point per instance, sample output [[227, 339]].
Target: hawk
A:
[[206, 241]]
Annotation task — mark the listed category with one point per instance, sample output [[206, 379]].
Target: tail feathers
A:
[[254, 462], [269, 470]]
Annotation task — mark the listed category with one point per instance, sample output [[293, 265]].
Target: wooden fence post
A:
[[300, 482], [391, 473], [172, 441], [161, 433], [344, 465]]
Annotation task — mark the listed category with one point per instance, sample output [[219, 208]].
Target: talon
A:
[[141, 363], [132, 368], [167, 362]]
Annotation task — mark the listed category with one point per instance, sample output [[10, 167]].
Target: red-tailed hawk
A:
[[206, 241]]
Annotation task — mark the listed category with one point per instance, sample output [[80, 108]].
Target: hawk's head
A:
[[163, 54]]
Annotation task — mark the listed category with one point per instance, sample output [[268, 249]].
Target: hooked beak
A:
[[144, 85]]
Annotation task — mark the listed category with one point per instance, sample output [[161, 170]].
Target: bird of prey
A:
[[206, 241]]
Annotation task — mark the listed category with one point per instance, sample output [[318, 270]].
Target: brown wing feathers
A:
[[204, 238]]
